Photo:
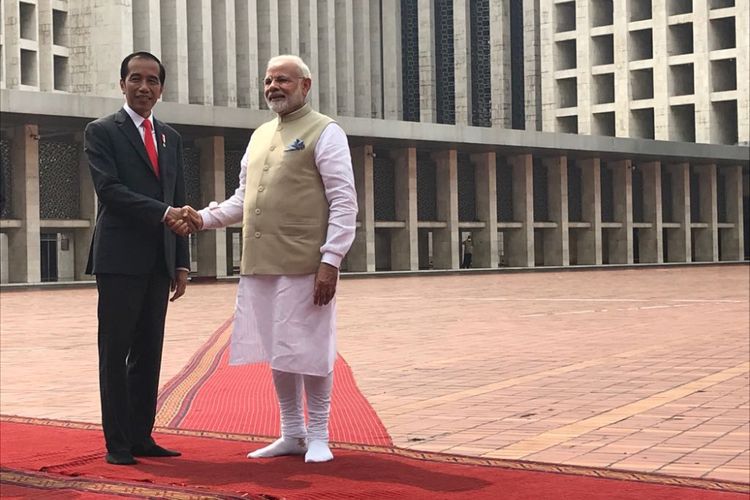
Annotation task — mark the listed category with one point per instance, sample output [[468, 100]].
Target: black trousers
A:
[[467, 261], [131, 311]]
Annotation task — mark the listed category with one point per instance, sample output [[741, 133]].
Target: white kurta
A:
[[275, 319]]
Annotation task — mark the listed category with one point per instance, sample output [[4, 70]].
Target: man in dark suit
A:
[[136, 165]]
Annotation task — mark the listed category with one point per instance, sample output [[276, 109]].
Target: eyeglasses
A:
[[281, 80]]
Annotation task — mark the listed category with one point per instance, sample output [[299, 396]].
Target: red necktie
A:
[[148, 139]]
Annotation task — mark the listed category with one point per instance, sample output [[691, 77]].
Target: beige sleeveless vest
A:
[[286, 211]]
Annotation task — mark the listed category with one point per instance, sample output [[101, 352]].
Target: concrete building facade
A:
[[557, 133]]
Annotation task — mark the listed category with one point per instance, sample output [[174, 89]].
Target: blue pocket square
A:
[[297, 145]]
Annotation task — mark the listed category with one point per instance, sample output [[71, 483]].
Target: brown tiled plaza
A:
[[637, 369]]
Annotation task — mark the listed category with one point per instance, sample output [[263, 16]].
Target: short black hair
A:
[[144, 55]]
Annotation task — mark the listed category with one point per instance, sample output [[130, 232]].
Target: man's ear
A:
[[122, 85]]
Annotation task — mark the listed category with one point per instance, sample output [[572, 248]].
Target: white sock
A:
[[318, 451], [280, 447]]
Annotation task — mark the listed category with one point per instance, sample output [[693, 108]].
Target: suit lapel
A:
[[166, 171], [128, 128]]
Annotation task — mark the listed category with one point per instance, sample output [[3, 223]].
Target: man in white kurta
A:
[[289, 319]]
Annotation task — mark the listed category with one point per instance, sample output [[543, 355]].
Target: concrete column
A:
[[66, 256], [45, 54], [622, 73], [707, 239], [584, 79], [500, 64], [24, 242], [462, 61], [520, 247], [225, 50], [327, 57], [96, 62], [733, 239], [361, 257], [661, 70], [212, 250], [376, 62], [547, 84], [702, 68], [485, 184], [589, 249], [427, 80], [200, 62], [11, 73], [267, 15], [532, 66], [404, 245], [246, 31], [87, 211], [174, 45], [308, 43], [345, 58], [742, 23], [391, 36], [621, 239], [679, 241], [445, 241], [147, 26], [650, 241], [362, 56], [556, 241], [289, 26], [3, 258]]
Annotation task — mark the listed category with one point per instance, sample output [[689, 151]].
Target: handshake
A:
[[184, 220]]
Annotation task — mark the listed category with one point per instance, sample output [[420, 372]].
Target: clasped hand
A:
[[184, 220]]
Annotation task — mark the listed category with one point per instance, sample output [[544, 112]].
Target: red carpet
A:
[[208, 394], [38, 455]]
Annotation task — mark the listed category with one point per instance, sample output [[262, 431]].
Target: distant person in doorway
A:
[[468, 250]]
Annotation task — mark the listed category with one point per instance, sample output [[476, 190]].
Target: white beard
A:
[[279, 106]]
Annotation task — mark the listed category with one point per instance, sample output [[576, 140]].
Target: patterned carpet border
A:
[[177, 395], [47, 481], [577, 470]]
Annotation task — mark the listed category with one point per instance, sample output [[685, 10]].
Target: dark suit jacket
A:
[[130, 236]]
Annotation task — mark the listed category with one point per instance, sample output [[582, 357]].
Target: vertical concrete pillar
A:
[[345, 58], [650, 240], [404, 245], [548, 83], [24, 242], [327, 64], [584, 78], [4, 261], [376, 62], [174, 48], [147, 27], [742, 23], [661, 70], [11, 73], [446, 252], [362, 56], [707, 239], [224, 47], [622, 76], [288, 25], [212, 250], [500, 64], [87, 211], [361, 257], [200, 60], [427, 83], [702, 69], [246, 31], [733, 239], [621, 239], [679, 241], [532, 63], [557, 240], [485, 185], [308, 45], [391, 38], [462, 61], [45, 53], [589, 249], [520, 247]]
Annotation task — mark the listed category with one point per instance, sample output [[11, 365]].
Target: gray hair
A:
[[294, 59]]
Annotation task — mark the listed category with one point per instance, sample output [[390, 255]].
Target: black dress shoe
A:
[[154, 450], [120, 458]]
